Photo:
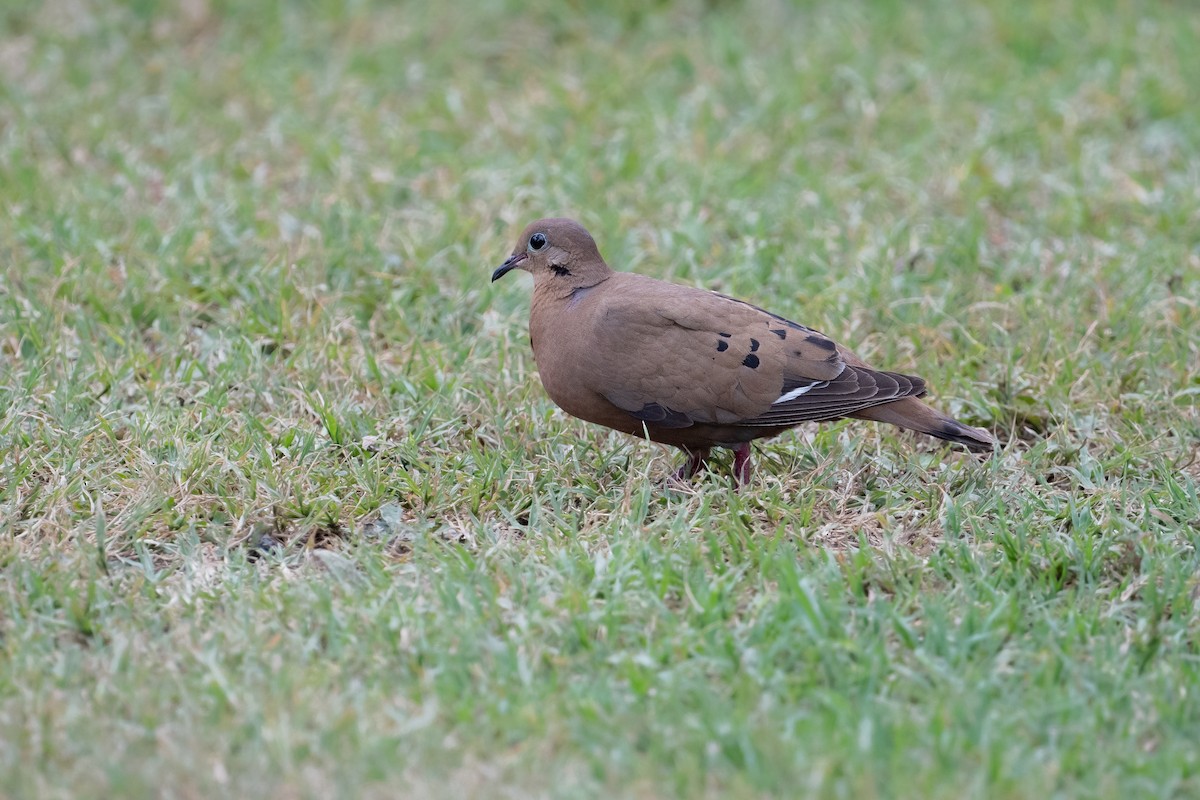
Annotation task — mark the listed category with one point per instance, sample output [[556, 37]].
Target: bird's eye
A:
[[537, 241]]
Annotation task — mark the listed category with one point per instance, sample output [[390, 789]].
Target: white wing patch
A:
[[801, 390]]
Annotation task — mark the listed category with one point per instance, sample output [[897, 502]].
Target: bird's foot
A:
[[696, 461], [741, 465]]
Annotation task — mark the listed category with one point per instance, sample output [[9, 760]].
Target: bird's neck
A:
[[554, 291]]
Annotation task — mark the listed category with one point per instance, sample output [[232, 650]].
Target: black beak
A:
[[508, 266]]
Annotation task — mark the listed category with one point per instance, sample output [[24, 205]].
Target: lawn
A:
[[285, 512]]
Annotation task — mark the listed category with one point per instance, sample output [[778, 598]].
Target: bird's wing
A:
[[676, 356]]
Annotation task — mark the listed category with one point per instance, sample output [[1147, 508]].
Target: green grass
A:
[[285, 512]]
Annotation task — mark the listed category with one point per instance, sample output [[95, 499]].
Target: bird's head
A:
[[557, 253]]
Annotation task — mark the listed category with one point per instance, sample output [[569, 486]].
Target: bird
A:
[[692, 368]]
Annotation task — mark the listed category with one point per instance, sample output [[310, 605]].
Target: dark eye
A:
[[537, 241]]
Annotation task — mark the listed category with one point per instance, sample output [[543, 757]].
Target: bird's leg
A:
[[741, 464], [695, 462]]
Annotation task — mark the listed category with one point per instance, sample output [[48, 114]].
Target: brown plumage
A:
[[693, 368]]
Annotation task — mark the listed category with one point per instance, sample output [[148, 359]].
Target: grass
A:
[[284, 511]]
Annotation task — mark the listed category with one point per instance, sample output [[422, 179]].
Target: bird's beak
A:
[[507, 266]]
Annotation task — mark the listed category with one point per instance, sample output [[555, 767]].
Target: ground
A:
[[285, 512]]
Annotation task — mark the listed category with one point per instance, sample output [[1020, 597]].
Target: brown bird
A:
[[693, 368]]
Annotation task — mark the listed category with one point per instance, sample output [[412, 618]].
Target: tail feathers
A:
[[914, 415]]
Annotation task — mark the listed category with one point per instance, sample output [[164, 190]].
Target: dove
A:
[[692, 368]]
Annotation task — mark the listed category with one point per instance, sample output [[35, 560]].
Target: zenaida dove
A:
[[694, 368]]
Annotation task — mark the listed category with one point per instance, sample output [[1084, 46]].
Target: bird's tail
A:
[[914, 415]]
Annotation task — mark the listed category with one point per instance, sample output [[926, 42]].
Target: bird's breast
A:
[[565, 352]]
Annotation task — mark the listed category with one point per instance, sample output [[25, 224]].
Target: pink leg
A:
[[695, 463], [741, 465]]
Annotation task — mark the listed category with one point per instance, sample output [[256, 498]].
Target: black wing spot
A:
[[724, 335], [753, 345], [722, 347], [822, 342], [750, 361], [780, 332]]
